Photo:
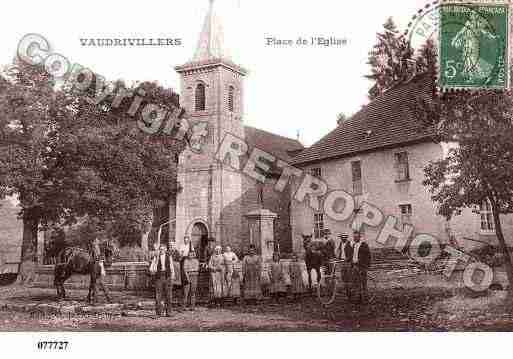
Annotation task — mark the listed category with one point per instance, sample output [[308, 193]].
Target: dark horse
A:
[[317, 254], [75, 260]]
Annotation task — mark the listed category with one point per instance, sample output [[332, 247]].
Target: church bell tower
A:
[[212, 95]]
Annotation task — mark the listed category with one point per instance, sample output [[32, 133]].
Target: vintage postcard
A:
[[237, 166]]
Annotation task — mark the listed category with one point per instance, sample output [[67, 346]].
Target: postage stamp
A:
[[474, 46]]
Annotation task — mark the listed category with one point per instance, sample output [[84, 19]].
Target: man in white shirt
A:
[[361, 259], [185, 248], [345, 253], [164, 280]]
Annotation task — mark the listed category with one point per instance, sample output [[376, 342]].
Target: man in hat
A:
[[164, 280], [329, 248], [345, 253], [361, 260]]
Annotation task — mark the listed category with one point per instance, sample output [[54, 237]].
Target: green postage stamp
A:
[[474, 46]]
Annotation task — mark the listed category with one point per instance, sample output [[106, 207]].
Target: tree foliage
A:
[[66, 156], [390, 60], [478, 167]]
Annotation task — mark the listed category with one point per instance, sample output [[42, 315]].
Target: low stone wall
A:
[[133, 276]]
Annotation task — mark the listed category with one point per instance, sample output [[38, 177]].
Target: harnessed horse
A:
[[76, 260], [317, 254]]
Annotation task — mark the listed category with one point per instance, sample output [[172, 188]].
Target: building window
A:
[[318, 225], [200, 97], [231, 95], [406, 212], [316, 172], [356, 170], [487, 224], [402, 165]]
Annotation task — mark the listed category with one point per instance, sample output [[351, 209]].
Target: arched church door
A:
[[199, 239]]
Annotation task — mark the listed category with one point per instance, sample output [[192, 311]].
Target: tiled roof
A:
[[386, 122], [279, 146]]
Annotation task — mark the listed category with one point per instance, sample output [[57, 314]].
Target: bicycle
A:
[[326, 294]]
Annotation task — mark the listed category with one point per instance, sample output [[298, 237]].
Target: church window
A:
[[487, 223], [318, 224], [200, 97], [231, 99]]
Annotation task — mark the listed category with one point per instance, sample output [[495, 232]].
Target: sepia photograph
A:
[[239, 167]]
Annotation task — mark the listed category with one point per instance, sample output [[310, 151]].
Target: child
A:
[[297, 277], [277, 277], [190, 268]]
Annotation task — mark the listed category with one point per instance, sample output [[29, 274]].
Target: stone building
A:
[[379, 156], [214, 199]]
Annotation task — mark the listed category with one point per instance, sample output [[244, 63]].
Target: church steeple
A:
[[211, 40], [212, 84]]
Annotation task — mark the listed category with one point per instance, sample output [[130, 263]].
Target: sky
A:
[[288, 89]]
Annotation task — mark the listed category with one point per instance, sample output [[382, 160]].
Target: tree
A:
[[66, 157], [479, 167], [159, 159], [127, 171], [27, 101], [391, 60]]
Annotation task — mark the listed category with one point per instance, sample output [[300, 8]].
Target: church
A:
[[216, 202]]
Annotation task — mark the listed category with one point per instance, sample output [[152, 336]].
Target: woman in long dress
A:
[[231, 274], [216, 266], [252, 269], [298, 277], [278, 284]]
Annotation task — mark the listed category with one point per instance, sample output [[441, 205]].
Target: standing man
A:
[[330, 244], [329, 248], [96, 255], [345, 253], [164, 281], [97, 272], [191, 268], [185, 249], [361, 262]]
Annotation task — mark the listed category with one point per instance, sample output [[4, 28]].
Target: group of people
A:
[[231, 280]]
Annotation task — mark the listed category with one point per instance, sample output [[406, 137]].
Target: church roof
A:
[[281, 147], [387, 122]]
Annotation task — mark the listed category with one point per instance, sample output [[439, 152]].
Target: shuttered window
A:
[[356, 170]]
